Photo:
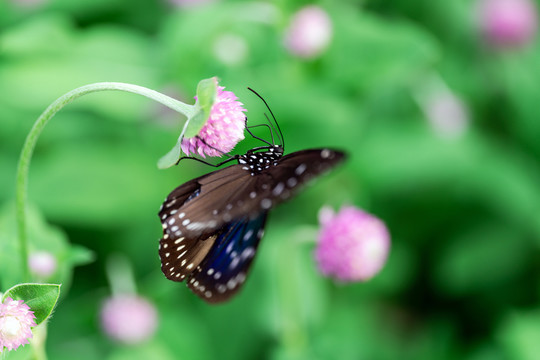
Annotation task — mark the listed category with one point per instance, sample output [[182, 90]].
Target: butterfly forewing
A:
[[249, 194]]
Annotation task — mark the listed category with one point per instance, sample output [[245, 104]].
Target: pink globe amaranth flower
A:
[[507, 23], [223, 130], [16, 321], [309, 32], [42, 263], [128, 319], [353, 245]]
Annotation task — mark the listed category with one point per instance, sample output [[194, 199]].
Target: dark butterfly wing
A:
[[295, 170], [237, 193], [180, 250], [201, 215], [225, 268]]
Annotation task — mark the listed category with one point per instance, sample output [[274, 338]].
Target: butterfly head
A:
[[258, 159]]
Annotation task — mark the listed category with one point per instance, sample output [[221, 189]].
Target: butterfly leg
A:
[[258, 138]]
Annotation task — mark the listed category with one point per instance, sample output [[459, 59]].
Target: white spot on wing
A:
[[177, 241], [266, 203], [234, 263], [248, 234], [292, 182], [278, 189], [248, 252], [300, 169], [325, 153]]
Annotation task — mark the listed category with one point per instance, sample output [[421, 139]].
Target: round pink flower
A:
[[129, 319], [309, 33], [353, 245], [508, 22], [42, 263], [223, 130], [16, 321]]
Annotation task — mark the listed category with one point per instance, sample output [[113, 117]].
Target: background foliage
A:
[[463, 208]]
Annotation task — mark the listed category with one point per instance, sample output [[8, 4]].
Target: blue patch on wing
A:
[[224, 270]]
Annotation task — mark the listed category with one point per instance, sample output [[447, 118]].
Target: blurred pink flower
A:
[[223, 130], [507, 23], [230, 49], [129, 319], [42, 263], [309, 32], [353, 245], [447, 114], [16, 321]]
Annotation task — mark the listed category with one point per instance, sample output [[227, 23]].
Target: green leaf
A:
[[41, 298], [172, 156], [79, 255], [206, 97], [206, 93]]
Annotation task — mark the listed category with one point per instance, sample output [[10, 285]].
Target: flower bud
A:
[[508, 23], [128, 319], [42, 264]]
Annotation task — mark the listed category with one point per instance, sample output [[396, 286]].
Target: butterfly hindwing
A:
[[225, 268]]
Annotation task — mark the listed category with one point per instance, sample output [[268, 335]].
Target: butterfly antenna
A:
[[273, 117]]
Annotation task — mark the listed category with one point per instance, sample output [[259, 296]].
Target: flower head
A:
[[353, 245], [16, 321], [309, 33], [128, 319], [42, 263], [507, 23], [223, 130]]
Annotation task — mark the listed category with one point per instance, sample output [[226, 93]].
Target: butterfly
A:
[[212, 225]]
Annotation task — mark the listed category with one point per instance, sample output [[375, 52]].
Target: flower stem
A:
[[31, 139]]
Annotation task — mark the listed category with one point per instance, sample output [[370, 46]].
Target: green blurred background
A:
[[442, 131]]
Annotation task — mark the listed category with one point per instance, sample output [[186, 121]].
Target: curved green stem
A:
[[31, 139]]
